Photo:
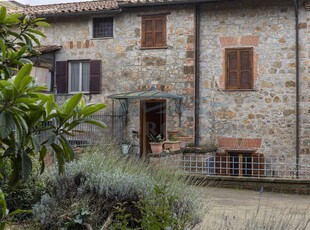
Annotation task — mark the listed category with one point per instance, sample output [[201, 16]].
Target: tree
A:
[[25, 108]]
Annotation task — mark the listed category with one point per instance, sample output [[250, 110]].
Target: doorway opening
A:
[[152, 120]]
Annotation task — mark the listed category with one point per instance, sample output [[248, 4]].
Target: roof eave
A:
[[72, 14], [133, 5]]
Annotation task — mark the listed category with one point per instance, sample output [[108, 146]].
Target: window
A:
[[103, 27], [154, 31], [240, 163], [78, 76], [239, 68], [42, 75]]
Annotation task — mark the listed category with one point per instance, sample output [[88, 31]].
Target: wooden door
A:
[[152, 120]]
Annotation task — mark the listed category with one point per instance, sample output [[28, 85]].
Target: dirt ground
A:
[[244, 209]]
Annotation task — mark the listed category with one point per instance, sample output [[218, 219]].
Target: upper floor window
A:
[[239, 68], [78, 76], [154, 31], [103, 27]]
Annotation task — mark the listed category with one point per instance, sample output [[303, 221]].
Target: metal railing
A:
[[274, 167], [87, 134]]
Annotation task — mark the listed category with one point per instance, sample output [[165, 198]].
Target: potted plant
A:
[[172, 144], [172, 134], [156, 143]]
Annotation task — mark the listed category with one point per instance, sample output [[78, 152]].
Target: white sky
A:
[[44, 2]]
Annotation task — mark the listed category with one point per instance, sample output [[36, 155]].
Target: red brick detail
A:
[[228, 41], [249, 40], [247, 143], [226, 142], [239, 143]]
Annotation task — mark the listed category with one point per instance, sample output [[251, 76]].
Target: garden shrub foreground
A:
[[104, 190]]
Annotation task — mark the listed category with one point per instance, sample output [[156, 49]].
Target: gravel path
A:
[[243, 209]]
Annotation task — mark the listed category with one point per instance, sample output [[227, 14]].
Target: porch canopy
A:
[[145, 95]]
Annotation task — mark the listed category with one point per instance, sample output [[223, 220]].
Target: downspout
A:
[[297, 89], [197, 73]]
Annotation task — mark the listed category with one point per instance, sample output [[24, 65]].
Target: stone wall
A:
[[268, 111], [126, 67], [304, 33]]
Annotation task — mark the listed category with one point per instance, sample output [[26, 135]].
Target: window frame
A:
[[80, 76], [239, 70], [93, 27], [164, 31]]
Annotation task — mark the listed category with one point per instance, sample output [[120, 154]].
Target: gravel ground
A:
[[235, 209]]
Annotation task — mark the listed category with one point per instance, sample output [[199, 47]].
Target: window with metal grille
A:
[[240, 163], [154, 31], [103, 27], [239, 68]]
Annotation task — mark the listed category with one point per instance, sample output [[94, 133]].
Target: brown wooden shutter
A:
[[95, 77], [159, 32], [147, 32], [62, 76], [153, 31], [258, 164], [239, 68], [232, 69], [245, 69]]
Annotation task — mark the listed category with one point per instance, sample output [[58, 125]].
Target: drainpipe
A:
[[197, 73], [297, 88]]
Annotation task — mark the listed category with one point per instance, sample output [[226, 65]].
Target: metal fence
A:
[[87, 134], [274, 167]]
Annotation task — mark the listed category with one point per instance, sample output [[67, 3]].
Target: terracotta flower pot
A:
[[184, 140], [172, 134], [172, 145], [156, 147]]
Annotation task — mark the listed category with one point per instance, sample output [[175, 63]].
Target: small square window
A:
[[103, 27]]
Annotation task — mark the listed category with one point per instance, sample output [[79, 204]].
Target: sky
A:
[[43, 2]]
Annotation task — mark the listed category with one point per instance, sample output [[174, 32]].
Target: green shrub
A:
[[106, 179], [24, 194]]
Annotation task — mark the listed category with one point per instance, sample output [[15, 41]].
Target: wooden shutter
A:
[[245, 69], [258, 164], [154, 31], [62, 76], [239, 68], [160, 32], [95, 77], [232, 69], [147, 32]]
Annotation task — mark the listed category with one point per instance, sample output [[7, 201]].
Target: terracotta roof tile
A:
[[47, 48], [71, 8], [133, 2]]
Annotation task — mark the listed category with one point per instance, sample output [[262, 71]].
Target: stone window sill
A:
[[239, 90], [103, 38], [150, 48]]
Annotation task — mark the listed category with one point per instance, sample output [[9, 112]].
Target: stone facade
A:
[[266, 113], [304, 33], [126, 67]]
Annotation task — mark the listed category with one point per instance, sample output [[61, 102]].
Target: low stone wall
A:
[[258, 184]]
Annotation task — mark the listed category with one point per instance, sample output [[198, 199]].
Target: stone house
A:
[[243, 79]]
